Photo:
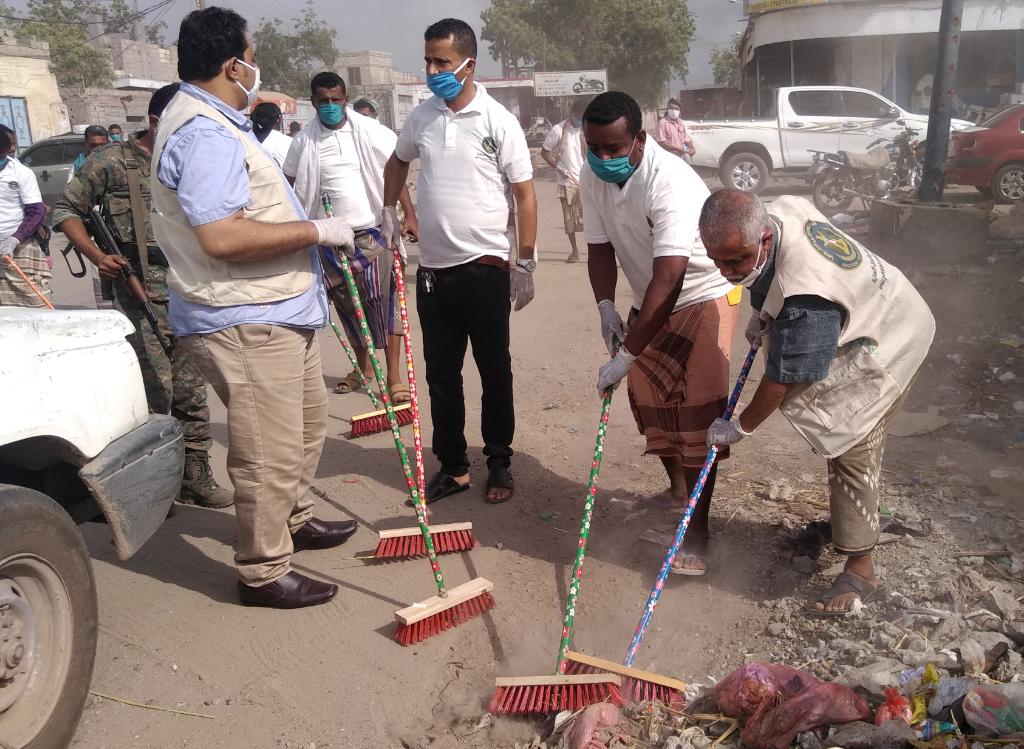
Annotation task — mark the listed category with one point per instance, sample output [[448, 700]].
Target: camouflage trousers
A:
[[13, 289], [173, 385]]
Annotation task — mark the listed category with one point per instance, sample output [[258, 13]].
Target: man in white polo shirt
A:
[[473, 160], [641, 206], [21, 213]]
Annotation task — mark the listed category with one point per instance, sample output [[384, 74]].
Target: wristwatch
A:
[[528, 265]]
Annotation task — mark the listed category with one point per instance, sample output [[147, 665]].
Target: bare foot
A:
[[689, 562], [844, 601]]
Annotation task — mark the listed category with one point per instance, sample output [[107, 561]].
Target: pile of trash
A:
[[769, 706]]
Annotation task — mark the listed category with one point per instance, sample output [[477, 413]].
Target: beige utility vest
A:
[[887, 332], [195, 275]]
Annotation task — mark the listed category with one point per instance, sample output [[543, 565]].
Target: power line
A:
[[140, 14], [121, 19]]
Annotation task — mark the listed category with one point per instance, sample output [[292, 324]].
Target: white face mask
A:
[[748, 280], [672, 114], [250, 93]]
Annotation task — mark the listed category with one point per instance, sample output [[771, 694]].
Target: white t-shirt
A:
[[342, 177], [655, 214], [18, 188], [570, 158], [468, 160], [276, 146]]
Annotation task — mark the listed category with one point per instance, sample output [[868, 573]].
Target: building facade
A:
[[882, 45], [30, 103]]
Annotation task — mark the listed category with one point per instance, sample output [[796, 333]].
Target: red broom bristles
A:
[[637, 690], [363, 426], [550, 698], [413, 545], [411, 634]]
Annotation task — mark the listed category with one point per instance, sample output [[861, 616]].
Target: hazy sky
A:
[[397, 25]]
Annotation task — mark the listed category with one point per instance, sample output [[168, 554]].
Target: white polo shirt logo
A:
[[13, 186]]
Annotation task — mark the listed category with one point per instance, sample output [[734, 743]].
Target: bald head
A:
[[735, 229]]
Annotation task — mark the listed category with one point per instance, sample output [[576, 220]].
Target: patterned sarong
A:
[[680, 383]]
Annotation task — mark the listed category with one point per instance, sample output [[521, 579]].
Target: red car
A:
[[991, 156]]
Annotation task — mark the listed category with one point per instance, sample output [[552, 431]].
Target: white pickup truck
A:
[[77, 443], [808, 118]]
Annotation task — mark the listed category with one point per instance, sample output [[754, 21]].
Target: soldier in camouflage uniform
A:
[[173, 384]]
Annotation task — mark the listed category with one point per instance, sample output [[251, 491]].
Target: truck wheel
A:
[[47, 621], [1008, 183], [829, 196], [744, 171]]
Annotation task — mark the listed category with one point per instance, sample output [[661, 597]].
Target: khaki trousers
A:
[[271, 381], [854, 482]]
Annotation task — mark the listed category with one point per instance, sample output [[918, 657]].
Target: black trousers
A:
[[467, 304]]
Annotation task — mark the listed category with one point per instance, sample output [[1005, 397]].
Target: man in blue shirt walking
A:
[[246, 296]]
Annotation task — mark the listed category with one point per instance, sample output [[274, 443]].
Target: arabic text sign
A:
[[570, 83], [763, 6]]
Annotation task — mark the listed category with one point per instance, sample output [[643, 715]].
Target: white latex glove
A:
[[8, 246], [611, 324], [611, 374], [334, 232], [522, 288], [390, 226], [722, 432]]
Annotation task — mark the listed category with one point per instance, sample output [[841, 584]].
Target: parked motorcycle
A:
[[890, 166]]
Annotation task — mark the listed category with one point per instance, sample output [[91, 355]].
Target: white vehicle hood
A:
[[69, 374]]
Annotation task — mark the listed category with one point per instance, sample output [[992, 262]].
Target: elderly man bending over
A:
[[846, 333]]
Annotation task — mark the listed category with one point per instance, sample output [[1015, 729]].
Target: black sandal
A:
[[443, 485], [499, 477]]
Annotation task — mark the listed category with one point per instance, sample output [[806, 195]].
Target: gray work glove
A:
[[8, 246], [757, 329], [611, 324], [723, 433], [611, 374], [522, 288], [334, 232]]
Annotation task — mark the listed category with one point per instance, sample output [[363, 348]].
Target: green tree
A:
[[642, 43], [289, 55], [725, 63], [69, 27]]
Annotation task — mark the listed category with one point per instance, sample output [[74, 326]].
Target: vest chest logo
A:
[[832, 245], [13, 186], [489, 145]]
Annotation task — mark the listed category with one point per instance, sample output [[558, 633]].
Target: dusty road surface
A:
[[172, 634]]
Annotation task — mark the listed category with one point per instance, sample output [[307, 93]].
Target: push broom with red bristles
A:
[[448, 608], [375, 421], [522, 695], [644, 685], [406, 542]]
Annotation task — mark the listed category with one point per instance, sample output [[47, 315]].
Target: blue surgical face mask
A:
[[612, 170], [116, 138], [3, 163], [445, 85], [331, 114]]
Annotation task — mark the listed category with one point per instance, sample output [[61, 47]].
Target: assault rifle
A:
[[105, 240]]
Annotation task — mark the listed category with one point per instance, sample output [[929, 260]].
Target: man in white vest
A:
[[845, 334], [245, 298]]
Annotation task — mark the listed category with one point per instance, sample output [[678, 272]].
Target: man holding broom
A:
[[245, 298], [473, 162], [641, 206], [847, 334], [343, 153]]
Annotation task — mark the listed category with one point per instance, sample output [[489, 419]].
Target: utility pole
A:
[[933, 176], [200, 4]]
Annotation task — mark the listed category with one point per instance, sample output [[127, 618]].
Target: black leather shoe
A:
[[290, 591], [323, 534]]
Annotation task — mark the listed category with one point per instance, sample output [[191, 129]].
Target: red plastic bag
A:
[[778, 702], [895, 707]]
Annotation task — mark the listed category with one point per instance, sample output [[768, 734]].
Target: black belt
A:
[[496, 262], [156, 255]]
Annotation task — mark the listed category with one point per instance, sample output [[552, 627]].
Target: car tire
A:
[[48, 604], [1008, 183], [744, 171]]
